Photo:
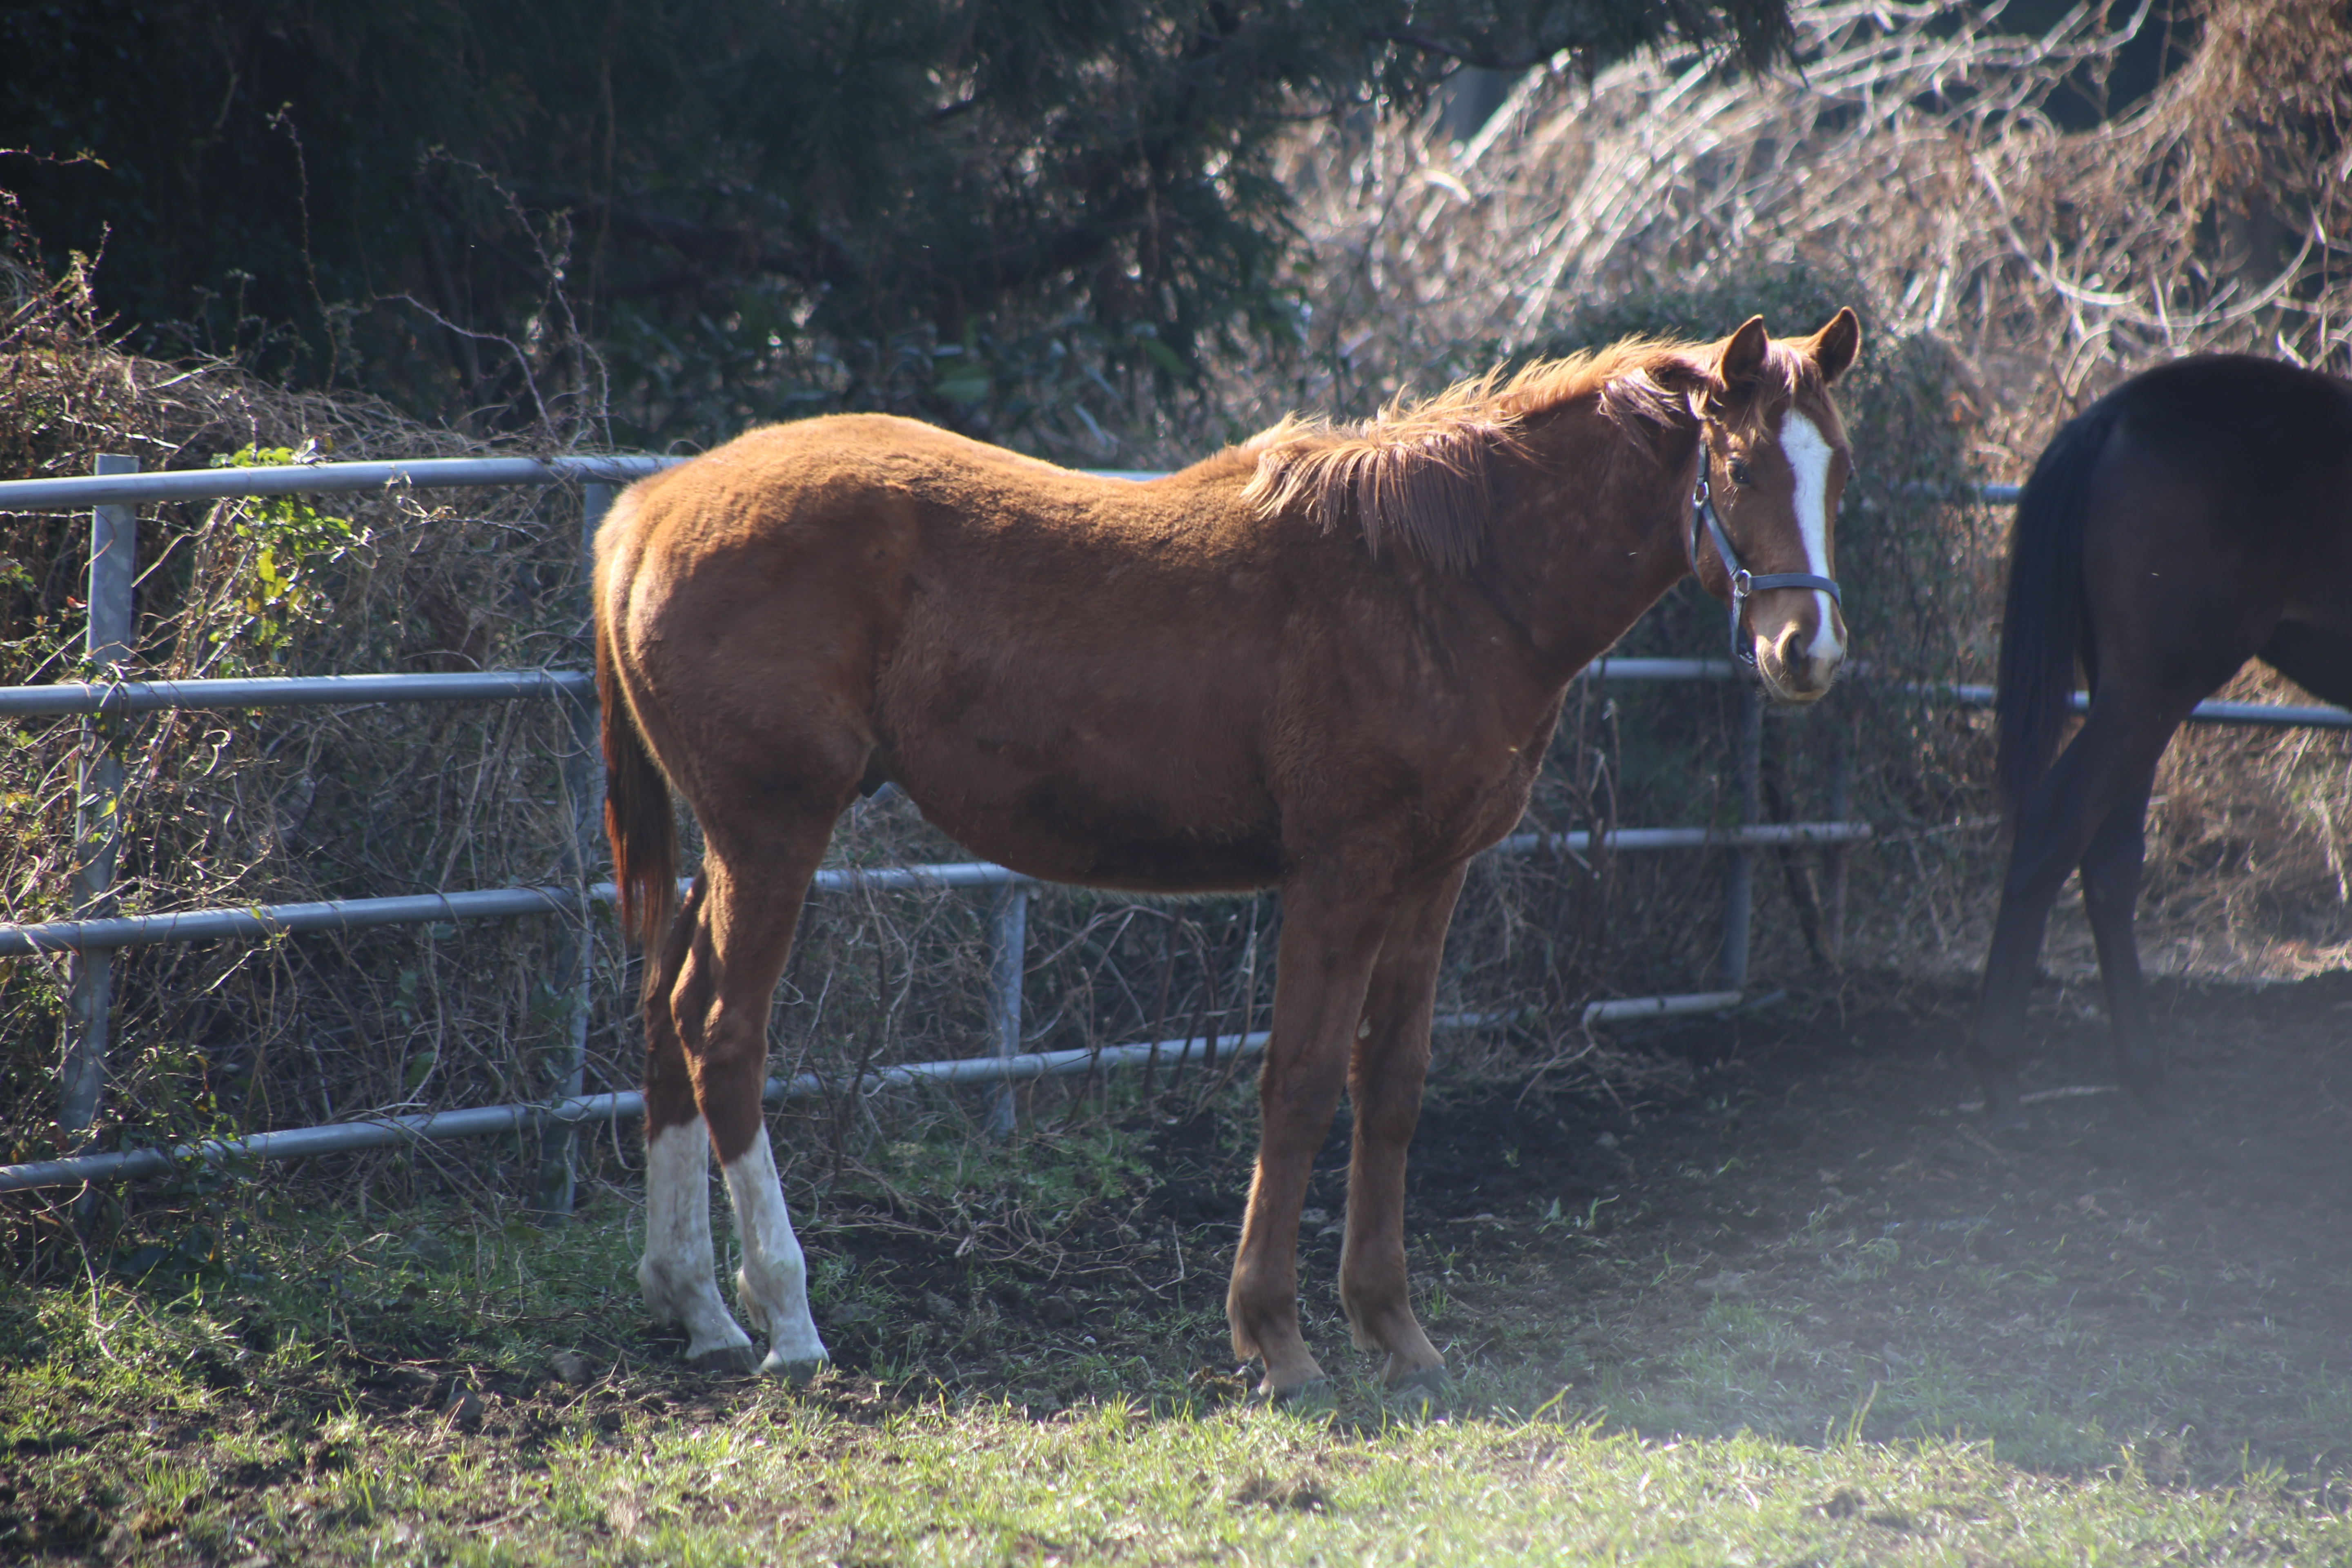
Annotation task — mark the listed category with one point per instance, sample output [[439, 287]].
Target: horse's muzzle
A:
[[1798, 667]]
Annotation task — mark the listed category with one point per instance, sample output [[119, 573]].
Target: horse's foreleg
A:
[[677, 1272], [720, 1004], [1390, 1060], [2111, 870], [1330, 937], [2104, 767]]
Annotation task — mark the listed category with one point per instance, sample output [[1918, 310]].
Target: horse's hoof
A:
[[1308, 1398], [1413, 1393], [1416, 1384], [727, 1360], [796, 1373]]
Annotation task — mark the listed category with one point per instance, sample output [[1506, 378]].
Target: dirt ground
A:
[[1819, 1234], [1807, 1237], [1814, 1238]]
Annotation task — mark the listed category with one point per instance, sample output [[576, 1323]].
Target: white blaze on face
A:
[[1809, 457]]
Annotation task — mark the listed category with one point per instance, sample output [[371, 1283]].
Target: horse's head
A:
[[1771, 463]]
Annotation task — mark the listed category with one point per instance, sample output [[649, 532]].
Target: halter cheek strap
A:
[[1743, 582]]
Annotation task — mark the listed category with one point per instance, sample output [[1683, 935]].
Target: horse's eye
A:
[[1739, 474]]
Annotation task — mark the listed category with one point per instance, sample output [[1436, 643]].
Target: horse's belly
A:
[[1062, 830]]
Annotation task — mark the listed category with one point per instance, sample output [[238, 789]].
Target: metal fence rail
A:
[[128, 487], [261, 922], [290, 691], [111, 491], [488, 1120], [2264, 715]]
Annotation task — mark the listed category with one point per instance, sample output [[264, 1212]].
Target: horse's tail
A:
[[2045, 627], [638, 816]]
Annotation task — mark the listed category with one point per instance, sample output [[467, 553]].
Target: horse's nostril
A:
[[1801, 661]]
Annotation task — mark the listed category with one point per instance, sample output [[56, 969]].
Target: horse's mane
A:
[[1416, 474]]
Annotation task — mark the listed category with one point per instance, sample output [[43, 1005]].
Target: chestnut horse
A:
[[2198, 516], [1327, 660]]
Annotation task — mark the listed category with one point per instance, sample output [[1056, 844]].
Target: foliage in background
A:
[[247, 807], [756, 207]]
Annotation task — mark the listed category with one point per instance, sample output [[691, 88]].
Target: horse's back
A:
[[2258, 421], [817, 483], [2227, 469], [1066, 672]]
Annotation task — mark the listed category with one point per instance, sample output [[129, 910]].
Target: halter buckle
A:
[[1743, 583]]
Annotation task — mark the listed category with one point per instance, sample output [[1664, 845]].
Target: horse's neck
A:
[[1588, 533]]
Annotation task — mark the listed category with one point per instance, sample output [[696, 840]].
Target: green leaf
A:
[[966, 383], [1163, 356]]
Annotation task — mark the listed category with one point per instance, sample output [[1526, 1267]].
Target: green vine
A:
[[286, 544]]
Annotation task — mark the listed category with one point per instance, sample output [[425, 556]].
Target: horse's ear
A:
[[1837, 345], [1742, 359]]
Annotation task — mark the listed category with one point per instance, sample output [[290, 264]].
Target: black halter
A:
[[1743, 582]]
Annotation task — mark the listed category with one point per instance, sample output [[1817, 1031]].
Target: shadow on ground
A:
[[1814, 1240]]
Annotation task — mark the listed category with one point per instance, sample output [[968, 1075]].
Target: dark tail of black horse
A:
[[2045, 630]]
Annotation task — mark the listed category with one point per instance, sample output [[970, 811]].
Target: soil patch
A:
[[1812, 1239], [1808, 1238], [1818, 1240]]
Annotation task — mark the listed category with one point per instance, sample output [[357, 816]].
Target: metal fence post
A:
[[98, 829], [1009, 958], [1740, 869], [1833, 856], [575, 957]]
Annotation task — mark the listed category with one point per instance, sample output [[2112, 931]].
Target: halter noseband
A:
[[1743, 582]]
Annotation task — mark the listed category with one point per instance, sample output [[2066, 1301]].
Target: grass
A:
[[1693, 1342], [286, 1397]]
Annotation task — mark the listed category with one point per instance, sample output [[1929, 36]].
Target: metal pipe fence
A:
[[571, 1113], [118, 482], [290, 691], [92, 936], [95, 932]]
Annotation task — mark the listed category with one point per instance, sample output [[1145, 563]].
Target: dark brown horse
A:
[[1327, 660], [2196, 517]]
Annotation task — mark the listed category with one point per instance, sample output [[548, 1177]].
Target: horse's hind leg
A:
[[1384, 1085], [2105, 765], [735, 954], [676, 1271], [2111, 870]]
